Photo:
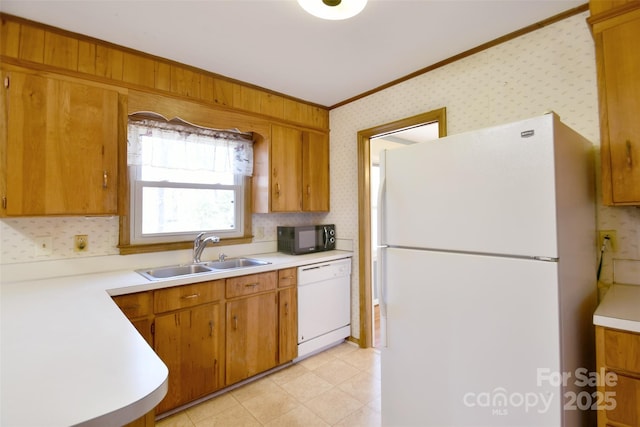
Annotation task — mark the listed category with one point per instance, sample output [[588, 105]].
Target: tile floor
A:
[[338, 387]]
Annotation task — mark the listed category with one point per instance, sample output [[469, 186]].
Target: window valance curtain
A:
[[177, 144]]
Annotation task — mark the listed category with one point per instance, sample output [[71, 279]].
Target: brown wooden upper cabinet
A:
[[616, 32], [292, 171], [60, 147], [315, 172]]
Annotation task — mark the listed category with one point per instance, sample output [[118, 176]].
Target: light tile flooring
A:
[[338, 387]]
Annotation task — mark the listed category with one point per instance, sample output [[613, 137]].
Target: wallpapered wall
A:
[[18, 236], [552, 68]]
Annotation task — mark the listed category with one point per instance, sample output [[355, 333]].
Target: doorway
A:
[[371, 141]]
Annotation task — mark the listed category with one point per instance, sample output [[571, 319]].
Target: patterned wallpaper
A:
[[18, 236], [552, 68]]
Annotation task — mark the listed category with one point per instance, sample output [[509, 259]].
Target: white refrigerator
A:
[[488, 268]]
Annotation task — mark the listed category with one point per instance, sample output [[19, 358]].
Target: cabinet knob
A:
[[629, 156], [105, 179]]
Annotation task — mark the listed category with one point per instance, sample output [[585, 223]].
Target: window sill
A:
[[160, 247]]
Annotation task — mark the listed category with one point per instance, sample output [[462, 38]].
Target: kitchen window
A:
[[184, 179]]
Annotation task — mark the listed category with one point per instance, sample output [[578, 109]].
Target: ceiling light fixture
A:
[[333, 9]]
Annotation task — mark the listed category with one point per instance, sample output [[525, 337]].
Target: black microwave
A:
[[306, 239]]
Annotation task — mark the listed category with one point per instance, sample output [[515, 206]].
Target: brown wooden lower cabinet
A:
[[251, 336], [618, 354], [138, 308], [147, 420], [214, 334], [626, 411], [190, 343], [288, 324], [287, 315]]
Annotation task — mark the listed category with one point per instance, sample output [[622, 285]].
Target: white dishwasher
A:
[[324, 305]]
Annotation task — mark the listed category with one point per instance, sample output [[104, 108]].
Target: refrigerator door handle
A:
[[383, 296], [382, 192], [381, 267]]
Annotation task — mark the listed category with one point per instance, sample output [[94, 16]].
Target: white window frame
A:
[[136, 187]]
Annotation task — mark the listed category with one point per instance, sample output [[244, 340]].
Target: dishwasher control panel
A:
[[324, 271]]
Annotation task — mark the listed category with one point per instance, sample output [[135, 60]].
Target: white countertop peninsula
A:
[[69, 356], [620, 308]]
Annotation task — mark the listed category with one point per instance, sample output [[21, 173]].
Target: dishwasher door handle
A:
[[315, 267]]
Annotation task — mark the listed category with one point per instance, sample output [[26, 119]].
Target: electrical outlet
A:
[[44, 245], [613, 240], [80, 242]]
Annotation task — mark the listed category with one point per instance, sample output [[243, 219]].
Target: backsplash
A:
[[19, 236], [622, 266]]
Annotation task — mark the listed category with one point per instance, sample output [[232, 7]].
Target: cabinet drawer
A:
[[251, 284], [135, 305], [625, 408], [185, 296], [622, 350], [287, 277]]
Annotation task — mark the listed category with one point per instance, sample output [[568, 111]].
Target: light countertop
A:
[[620, 308], [69, 356]]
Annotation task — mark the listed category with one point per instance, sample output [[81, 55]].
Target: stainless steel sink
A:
[[174, 271], [199, 268], [235, 263]]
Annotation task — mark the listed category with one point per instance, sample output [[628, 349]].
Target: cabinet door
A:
[[137, 308], [620, 62], [144, 326], [190, 343], [286, 169], [315, 172], [251, 336], [288, 324], [62, 142]]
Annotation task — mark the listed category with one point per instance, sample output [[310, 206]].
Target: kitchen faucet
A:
[[200, 243]]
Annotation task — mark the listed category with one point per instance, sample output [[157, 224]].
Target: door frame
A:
[[364, 208]]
